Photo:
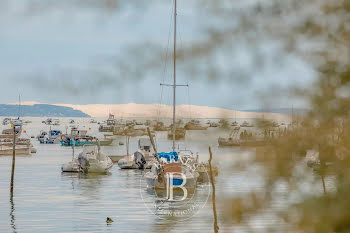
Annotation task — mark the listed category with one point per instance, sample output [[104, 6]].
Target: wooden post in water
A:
[[127, 145], [216, 227], [13, 159], [161, 175], [153, 145]]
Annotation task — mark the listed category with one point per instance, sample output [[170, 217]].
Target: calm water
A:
[[46, 200]]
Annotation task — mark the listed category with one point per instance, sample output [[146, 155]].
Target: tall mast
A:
[[19, 106], [174, 84]]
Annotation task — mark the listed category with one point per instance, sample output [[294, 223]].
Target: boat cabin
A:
[[145, 144]]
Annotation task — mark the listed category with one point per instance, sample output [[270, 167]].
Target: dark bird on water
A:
[[109, 220]]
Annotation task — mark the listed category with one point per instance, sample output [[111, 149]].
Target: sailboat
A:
[[172, 164]]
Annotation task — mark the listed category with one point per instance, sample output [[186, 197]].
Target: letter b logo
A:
[[175, 180]]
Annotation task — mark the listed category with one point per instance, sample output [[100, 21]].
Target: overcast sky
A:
[[44, 50]]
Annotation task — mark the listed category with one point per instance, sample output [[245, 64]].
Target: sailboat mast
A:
[[19, 106], [174, 84]]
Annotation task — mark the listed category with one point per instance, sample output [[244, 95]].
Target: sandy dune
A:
[[163, 111]]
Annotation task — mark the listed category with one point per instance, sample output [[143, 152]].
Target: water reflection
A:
[[12, 214], [89, 183]]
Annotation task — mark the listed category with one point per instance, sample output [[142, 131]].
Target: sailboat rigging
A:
[[172, 162], [174, 85]]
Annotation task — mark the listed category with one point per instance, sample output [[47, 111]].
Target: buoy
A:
[[109, 220]]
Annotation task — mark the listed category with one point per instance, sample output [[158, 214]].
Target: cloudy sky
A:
[[67, 53]]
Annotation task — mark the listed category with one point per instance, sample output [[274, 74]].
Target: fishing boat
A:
[[241, 139], [83, 140], [141, 159], [80, 138], [159, 126], [194, 125], [53, 137], [169, 169], [135, 130], [109, 126], [16, 122]]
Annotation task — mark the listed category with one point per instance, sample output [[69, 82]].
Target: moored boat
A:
[[180, 133], [141, 159], [91, 160], [109, 126], [194, 125]]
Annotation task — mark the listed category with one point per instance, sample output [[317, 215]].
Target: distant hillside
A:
[[297, 111], [40, 110]]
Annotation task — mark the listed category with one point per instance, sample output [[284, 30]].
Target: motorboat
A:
[[91, 160], [53, 137], [16, 122], [48, 121], [92, 121], [6, 121], [141, 159]]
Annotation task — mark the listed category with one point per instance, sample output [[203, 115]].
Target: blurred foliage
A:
[[325, 131], [317, 31]]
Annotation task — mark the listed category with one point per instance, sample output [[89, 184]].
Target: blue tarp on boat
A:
[[168, 156], [55, 132]]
